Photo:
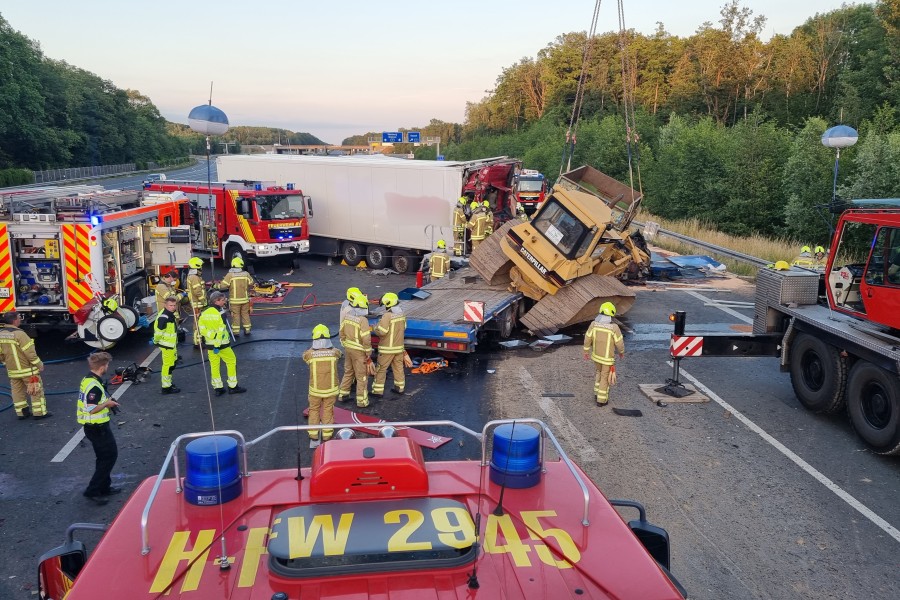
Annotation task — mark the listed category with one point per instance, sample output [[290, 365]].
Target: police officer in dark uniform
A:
[[94, 406]]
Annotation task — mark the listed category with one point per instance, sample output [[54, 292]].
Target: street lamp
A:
[[839, 136], [208, 120]]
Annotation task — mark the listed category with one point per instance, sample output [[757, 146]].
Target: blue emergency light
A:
[[257, 187], [213, 471], [290, 186], [96, 220], [516, 456]]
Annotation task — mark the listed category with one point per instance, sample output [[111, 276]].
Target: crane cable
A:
[[569, 146], [631, 134]]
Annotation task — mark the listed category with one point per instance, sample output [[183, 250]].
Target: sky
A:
[[336, 69]]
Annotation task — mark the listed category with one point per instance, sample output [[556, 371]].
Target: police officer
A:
[[459, 227], [477, 224], [601, 342], [322, 359], [165, 288], [165, 336], [217, 340], [93, 413], [356, 337], [390, 330], [196, 289], [438, 262], [238, 282], [23, 367]]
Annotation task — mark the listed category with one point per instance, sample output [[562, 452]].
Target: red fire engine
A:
[[531, 188], [243, 218]]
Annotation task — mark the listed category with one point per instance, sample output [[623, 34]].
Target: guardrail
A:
[[756, 262]]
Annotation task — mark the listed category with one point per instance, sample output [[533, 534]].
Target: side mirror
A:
[[654, 539], [58, 569], [244, 206], [309, 206]]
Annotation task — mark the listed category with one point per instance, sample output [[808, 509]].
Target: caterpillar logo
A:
[[537, 265]]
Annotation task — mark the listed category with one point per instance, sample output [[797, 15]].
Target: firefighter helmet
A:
[[463, 200], [820, 250], [360, 301], [782, 265], [352, 293], [110, 305], [237, 262], [608, 309], [442, 245], [486, 204], [196, 263], [805, 249], [474, 205], [389, 300], [320, 331], [169, 273]]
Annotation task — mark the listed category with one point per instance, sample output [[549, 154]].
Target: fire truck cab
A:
[[531, 189]]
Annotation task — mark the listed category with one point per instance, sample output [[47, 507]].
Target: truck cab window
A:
[[561, 228], [280, 206]]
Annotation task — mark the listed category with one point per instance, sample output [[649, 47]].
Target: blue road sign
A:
[[391, 137], [440, 157], [413, 137]]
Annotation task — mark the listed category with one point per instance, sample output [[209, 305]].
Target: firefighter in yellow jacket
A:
[[322, 359], [805, 259], [460, 220], [601, 343], [489, 218], [391, 330], [196, 289], [217, 340], [238, 282], [23, 367], [356, 337], [477, 224], [437, 262], [167, 288]]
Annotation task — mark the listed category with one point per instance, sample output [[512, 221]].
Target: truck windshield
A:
[[280, 206], [560, 227], [531, 185]]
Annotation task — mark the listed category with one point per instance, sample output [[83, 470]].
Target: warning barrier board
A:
[[473, 311], [686, 345]]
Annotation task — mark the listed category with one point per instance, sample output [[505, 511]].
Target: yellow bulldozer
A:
[[572, 255]]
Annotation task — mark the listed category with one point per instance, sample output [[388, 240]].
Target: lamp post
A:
[[208, 120], [839, 136]]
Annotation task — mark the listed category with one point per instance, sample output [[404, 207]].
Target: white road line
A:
[[559, 420], [79, 435], [726, 309], [816, 474]]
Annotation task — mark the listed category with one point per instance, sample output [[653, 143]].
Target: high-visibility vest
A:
[[603, 340], [239, 283], [197, 291], [391, 330], [478, 225], [17, 353], [212, 328], [356, 334], [84, 409], [439, 265], [459, 218], [323, 371], [165, 336], [489, 223]]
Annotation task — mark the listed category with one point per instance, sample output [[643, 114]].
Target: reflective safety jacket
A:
[[17, 353], [323, 371], [163, 291], [391, 330], [345, 310], [478, 224], [439, 264], [604, 340], [356, 334], [164, 333], [92, 393], [213, 328], [196, 288], [804, 260], [238, 283], [459, 218], [489, 226]]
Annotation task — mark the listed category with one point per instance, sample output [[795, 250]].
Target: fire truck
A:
[[531, 188], [243, 218], [82, 256]]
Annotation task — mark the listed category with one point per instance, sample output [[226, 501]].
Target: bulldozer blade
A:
[[488, 258], [577, 302]]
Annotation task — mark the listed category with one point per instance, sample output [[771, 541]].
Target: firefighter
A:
[[165, 336], [165, 288], [238, 282], [459, 227], [438, 262], [217, 339], [196, 289], [489, 216], [805, 259], [601, 343], [23, 367], [347, 305], [390, 331], [93, 413], [521, 214], [322, 359], [820, 256], [477, 224], [356, 337]]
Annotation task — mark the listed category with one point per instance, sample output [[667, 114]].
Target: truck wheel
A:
[[507, 322], [404, 262], [353, 253], [873, 400], [818, 374], [377, 257], [232, 251]]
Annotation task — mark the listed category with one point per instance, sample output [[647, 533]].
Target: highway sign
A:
[[413, 137], [391, 137]]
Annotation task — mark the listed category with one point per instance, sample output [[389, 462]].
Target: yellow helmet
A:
[[196, 263], [474, 205], [820, 250], [486, 204], [782, 265], [608, 309], [463, 200], [360, 301], [442, 244], [110, 305], [237, 262], [805, 249], [352, 293], [389, 300], [320, 331]]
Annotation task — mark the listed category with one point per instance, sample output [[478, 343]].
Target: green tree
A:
[[808, 183]]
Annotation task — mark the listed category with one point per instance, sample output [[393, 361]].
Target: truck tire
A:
[[232, 251], [873, 402], [377, 257], [818, 374], [353, 253], [404, 262]]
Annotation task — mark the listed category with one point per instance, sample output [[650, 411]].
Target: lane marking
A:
[[815, 473], [726, 309], [79, 435]]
